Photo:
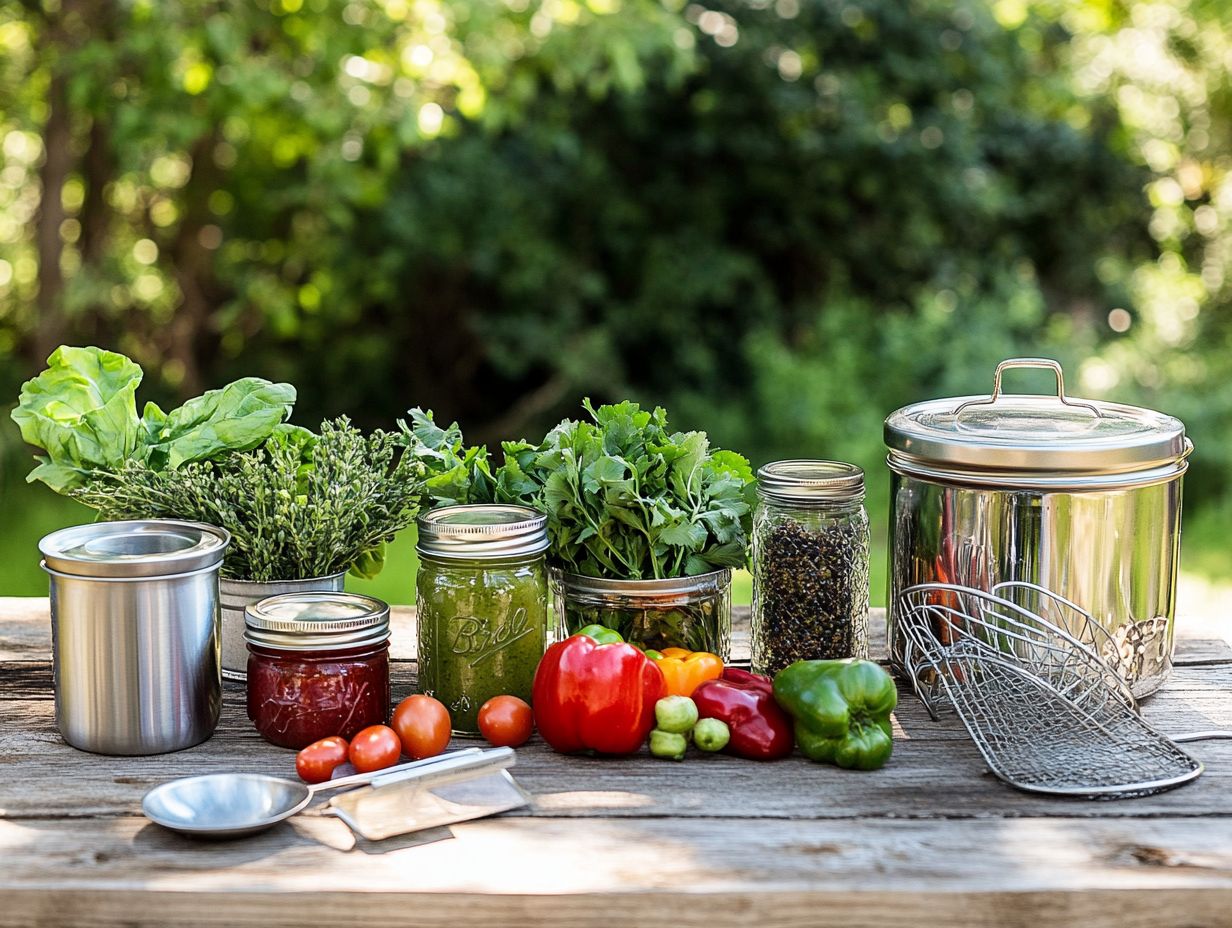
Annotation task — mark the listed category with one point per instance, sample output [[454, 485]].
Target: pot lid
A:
[[1035, 434], [482, 531], [140, 548], [316, 621]]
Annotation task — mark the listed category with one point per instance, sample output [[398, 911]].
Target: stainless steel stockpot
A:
[[134, 621], [1080, 497]]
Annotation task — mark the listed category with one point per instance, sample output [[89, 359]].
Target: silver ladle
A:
[[234, 805]]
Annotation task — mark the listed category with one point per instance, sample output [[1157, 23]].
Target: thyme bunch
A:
[[300, 506]]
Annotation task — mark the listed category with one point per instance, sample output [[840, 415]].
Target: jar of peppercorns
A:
[[810, 564]]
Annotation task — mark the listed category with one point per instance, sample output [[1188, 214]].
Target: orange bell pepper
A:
[[684, 671]]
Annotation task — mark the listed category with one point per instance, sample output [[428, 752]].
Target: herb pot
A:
[[810, 564], [482, 604], [1080, 497], [134, 622], [677, 612], [237, 595]]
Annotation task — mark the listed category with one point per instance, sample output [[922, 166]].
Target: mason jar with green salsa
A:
[[483, 605]]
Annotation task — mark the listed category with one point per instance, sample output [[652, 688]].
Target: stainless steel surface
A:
[[482, 531], [1048, 712], [237, 595], [135, 659], [138, 548], [1044, 441], [805, 482], [462, 789], [985, 508], [234, 805], [313, 621]]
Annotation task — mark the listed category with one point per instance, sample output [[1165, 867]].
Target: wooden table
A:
[[932, 839]]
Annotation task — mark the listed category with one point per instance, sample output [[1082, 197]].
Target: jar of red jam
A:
[[318, 665]]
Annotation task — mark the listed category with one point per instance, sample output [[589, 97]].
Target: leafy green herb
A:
[[628, 500], [300, 506], [453, 472], [82, 411]]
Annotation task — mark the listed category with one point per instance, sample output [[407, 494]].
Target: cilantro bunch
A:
[[626, 499]]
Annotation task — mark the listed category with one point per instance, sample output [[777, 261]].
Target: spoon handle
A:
[[361, 779]]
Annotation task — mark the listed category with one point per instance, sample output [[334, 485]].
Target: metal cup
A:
[[134, 613]]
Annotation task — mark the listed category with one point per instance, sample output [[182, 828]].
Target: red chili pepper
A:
[[760, 730], [595, 697]]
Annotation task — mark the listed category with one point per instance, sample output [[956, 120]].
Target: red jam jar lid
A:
[[319, 621]]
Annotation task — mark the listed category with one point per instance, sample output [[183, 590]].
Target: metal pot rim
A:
[[135, 548]]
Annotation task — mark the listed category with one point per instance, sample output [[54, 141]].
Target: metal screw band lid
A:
[[316, 621], [808, 482], [137, 548], [482, 532]]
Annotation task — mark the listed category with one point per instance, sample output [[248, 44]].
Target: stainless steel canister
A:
[[134, 621], [1080, 497]]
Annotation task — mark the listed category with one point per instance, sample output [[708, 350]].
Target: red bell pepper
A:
[[760, 730], [595, 697]]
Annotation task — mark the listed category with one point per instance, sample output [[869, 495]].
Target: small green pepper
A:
[[668, 745], [601, 634], [841, 710], [711, 734], [676, 714]]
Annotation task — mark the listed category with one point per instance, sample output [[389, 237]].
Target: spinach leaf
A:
[[82, 411], [239, 417]]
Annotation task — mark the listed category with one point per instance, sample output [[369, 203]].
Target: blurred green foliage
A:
[[779, 218]]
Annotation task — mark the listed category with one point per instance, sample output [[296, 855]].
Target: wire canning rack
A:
[[1036, 682]]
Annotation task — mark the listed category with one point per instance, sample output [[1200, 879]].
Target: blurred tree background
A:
[[779, 218]]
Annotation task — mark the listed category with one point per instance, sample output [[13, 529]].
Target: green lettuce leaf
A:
[[238, 417], [82, 411]]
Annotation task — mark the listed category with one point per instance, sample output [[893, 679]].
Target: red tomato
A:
[[422, 724], [316, 763], [506, 721], [375, 748]]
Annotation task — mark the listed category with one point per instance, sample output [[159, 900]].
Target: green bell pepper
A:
[[841, 710], [601, 634]]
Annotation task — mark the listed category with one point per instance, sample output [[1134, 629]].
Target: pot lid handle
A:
[[1038, 363]]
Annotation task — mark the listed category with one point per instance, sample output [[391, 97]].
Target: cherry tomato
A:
[[506, 721], [422, 723], [375, 748], [316, 763]]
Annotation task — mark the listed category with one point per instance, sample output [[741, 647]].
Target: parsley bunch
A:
[[626, 499]]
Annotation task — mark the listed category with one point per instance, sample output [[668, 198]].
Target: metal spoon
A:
[[233, 805]]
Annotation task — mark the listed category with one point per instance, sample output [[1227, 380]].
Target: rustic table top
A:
[[932, 838]]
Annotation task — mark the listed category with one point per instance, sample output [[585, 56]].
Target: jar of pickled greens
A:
[[482, 600], [810, 564]]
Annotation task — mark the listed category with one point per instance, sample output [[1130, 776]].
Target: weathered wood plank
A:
[[25, 634], [936, 771], [1030, 872]]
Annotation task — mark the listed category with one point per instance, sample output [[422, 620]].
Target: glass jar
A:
[[678, 612], [482, 600], [810, 564], [318, 665]]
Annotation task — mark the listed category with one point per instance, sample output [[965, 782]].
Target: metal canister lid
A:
[[811, 482], [482, 532], [316, 621], [138, 548], [1041, 435]]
